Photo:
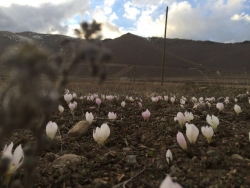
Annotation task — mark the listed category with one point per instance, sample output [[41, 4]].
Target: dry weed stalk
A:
[[26, 104]]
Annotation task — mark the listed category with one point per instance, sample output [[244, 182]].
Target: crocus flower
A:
[[181, 141], [101, 134], [168, 183], [165, 98], [123, 104], [172, 100], [213, 121], [89, 117], [220, 106], [180, 118], [109, 97], [98, 101], [201, 99], [189, 116], [169, 156], [73, 106], [112, 115], [208, 132], [182, 101], [95, 95], [131, 99], [146, 115], [235, 100], [74, 95], [193, 99], [60, 108], [154, 99], [226, 101], [140, 104], [68, 97], [237, 109], [16, 158], [208, 104], [192, 132], [51, 129]]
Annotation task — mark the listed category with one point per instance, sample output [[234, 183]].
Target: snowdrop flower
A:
[[68, 98], [109, 97], [74, 95], [16, 158], [112, 115], [89, 117], [237, 109], [123, 104], [98, 101], [169, 156], [51, 129], [208, 132], [220, 106], [165, 98], [181, 141], [146, 115], [189, 116], [60, 108], [192, 132], [213, 121], [100, 135], [172, 100], [168, 183], [180, 118]]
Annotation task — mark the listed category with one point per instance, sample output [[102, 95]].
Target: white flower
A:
[[181, 140], [73, 106], [51, 129], [201, 99], [74, 95], [168, 183], [194, 100], [182, 101], [68, 98], [89, 117], [213, 121], [169, 156], [165, 98], [208, 132], [60, 108], [220, 106], [172, 100], [180, 118], [109, 97], [226, 101], [16, 159], [101, 134], [112, 115], [123, 104], [192, 132], [235, 100], [154, 99], [146, 115], [237, 109], [189, 116], [131, 99]]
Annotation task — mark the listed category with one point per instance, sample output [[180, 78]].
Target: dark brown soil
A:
[[205, 165]]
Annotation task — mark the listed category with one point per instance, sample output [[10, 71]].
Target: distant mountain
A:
[[135, 56]]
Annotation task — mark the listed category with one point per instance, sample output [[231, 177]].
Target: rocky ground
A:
[[135, 152]]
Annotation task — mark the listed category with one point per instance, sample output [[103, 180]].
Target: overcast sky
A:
[[215, 20]]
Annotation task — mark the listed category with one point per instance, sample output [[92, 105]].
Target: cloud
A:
[[213, 20], [130, 11], [47, 18]]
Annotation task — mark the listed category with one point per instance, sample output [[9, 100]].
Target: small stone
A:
[[195, 159], [237, 156], [79, 129], [131, 159], [66, 159]]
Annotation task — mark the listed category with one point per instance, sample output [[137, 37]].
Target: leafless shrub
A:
[[26, 104]]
